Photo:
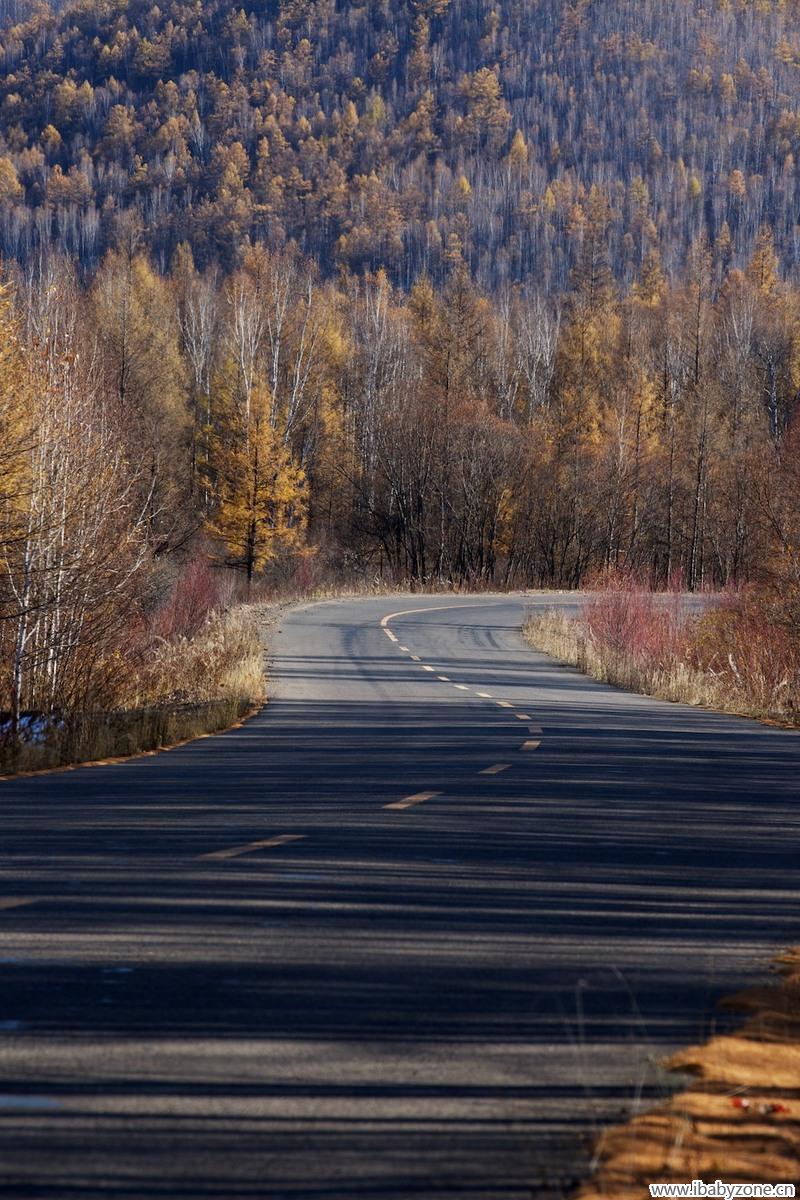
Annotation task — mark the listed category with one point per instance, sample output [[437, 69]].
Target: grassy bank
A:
[[569, 640], [736, 654], [186, 686], [738, 1121]]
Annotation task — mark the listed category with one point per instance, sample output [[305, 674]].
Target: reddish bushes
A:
[[194, 595], [754, 647], [741, 654], [628, 619]]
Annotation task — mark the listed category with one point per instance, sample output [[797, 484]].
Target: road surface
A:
[[416, 930]]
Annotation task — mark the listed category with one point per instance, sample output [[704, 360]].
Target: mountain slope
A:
[[403, 135]]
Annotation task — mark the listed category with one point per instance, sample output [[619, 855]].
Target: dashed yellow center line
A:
[[529, 744], [233, 851], [410, 801], [17, 901], [495, 769]]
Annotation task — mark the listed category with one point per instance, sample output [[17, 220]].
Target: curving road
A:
[[409, 932]]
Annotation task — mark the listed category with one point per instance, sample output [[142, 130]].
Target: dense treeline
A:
[[403, 135], [286, 426], [435, 434]]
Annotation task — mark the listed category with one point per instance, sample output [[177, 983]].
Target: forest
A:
[[400, 134]]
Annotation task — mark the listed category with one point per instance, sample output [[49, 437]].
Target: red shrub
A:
[[753, 646], [194, 595], [628, 619]]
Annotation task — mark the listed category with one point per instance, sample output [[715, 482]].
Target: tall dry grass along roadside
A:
[[193, 665], [735, 653]]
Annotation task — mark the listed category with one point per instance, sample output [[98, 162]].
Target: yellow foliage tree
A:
[[518, 154], [762, 270], [16, 432], [261, 492], [589, 342], [10, 186]]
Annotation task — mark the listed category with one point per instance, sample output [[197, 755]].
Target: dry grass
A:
[[223, 661], [187, 687], [330, 589], [740, 1120], [569, 640], [679, 674]]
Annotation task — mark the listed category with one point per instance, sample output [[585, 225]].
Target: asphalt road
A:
[[327, 956]]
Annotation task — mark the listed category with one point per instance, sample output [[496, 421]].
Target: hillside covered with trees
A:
[[404, 133]]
